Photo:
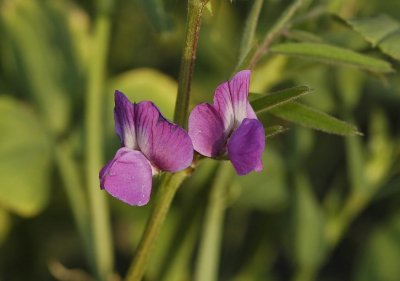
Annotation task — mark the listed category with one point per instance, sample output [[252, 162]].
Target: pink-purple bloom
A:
[[150, 144], [229, 127]]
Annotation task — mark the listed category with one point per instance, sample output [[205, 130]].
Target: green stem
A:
[[209, 252], [249, 32], [193, 23], [162, 202], [177, 266], [276, 30], [336, 226], [102, 245], [171, 183], [77, 198]]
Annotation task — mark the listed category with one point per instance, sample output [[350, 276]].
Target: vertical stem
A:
[[195, 12], [76, 196], [171, 183], [103, 252], [162, 202], [209, 252]]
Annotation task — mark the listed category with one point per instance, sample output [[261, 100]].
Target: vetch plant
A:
[[150, 144], [229, 127], [57, 112]]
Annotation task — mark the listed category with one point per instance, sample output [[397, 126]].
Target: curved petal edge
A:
[[167, 146], [206, 129], [128, 177], [246, 145], [124, 119]]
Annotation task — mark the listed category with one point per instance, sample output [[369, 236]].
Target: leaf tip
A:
[[358, 133]]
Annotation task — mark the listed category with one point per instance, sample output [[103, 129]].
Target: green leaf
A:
[[314, 119], [308, 224], [274, 130], [304, 36], [155, 10], [356, 165], [375, 29], [266, 102], [391, 46], [5, 225], [382, 31], [40, 57], [25, 158], [332, 54]]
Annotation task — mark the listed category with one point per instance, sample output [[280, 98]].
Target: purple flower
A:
[[229, 127], [149, 144]]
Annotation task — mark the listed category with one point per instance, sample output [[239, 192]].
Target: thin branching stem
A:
[[162, 202], [275, 31], [249, 32], [195, 12], [171, 183]]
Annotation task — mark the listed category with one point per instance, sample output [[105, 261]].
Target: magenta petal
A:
[[172, 148], [147, 115], [246, 145], [239, 86], [124, 118], [231, 101], [250, 112], [223, 105], [206, 129], [166, 145], [128, 177]]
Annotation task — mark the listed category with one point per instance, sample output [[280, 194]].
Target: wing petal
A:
[[166, 145], [128, 177], [206, 129]]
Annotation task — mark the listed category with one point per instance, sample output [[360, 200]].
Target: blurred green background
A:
[[325, 207]]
